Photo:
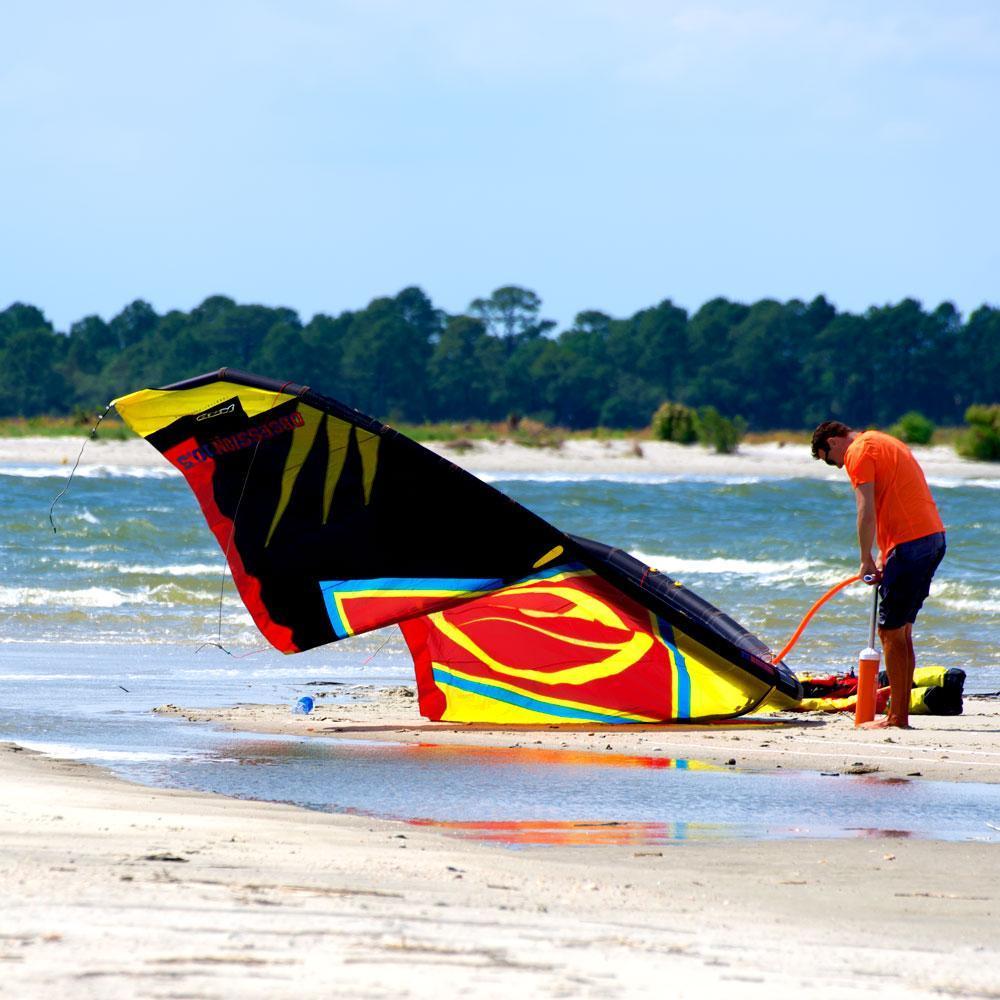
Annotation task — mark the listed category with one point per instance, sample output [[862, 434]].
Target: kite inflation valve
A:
[[868, 660]]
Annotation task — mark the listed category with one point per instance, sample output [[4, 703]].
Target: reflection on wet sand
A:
[[270, 752], [573, 832], [537, 795], [530, 756]]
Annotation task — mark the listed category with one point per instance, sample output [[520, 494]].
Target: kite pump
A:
[[868, 659], [787, 648]]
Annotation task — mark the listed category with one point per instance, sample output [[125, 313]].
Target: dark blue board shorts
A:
[[906, 579]]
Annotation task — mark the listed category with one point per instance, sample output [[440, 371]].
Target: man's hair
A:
[[826, 430]]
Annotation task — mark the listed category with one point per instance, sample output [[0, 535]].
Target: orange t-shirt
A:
[[904, 507]]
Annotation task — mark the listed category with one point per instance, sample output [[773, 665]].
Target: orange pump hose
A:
[[805, 621]]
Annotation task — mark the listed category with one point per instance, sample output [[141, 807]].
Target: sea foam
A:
[[765, 570], [88, 471], [634, 479]]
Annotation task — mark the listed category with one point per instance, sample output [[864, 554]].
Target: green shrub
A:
[[719, 432], [913, 428], [536, 434], [675, 422], [982, 439]]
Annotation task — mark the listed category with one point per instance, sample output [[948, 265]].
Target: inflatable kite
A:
[[334, 524]]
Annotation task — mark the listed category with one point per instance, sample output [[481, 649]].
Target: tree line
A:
[[775, 364]]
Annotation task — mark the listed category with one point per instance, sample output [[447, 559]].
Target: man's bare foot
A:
[[887, 723]]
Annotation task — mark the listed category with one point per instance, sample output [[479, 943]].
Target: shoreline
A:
[[117, 890], [942, 748], [114, 889], [576, 457]]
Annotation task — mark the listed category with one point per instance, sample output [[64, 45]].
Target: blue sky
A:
[[605, 154]]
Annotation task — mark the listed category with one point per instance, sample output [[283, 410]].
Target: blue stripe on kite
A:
[[683, 677], [405, 583], [333, 588], [458, 584], [333, 612], [524, 701]]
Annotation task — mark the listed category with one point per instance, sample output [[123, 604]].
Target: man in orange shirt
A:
[[897, 512]]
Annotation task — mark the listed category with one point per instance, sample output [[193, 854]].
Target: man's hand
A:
[[871, 570]]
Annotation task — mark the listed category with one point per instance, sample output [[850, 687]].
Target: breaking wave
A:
[[635, 479], [88, 472], [164, 595], [767, 571]]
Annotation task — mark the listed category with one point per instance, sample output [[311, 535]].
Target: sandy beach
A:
[[576, 456], [116, 890]]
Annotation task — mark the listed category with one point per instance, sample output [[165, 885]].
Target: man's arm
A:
[[864, 497]]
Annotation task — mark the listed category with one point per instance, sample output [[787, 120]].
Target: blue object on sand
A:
[[303, 706]]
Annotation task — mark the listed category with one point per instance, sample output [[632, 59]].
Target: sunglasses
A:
[[824, 453]]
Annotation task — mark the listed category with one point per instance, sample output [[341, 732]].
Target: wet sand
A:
[[117, 890], [955, 748]]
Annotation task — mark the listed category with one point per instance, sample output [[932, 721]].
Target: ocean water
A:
[[110, 616]]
